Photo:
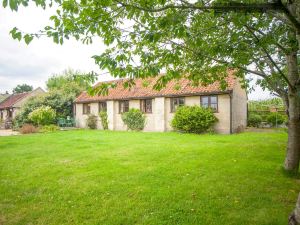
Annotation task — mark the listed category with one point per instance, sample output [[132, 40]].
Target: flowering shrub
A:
[[43, 115]]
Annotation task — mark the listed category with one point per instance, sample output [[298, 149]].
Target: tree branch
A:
[[269, 57], [222, 61], [262, 33], [225, 7]]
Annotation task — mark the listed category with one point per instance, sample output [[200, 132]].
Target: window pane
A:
[[123, 106], [181, 101], [102, 107], [148, 105], [172, 105], [204, 100], [175, 103], [120, 107], [214, 106], [86, 108], [213, 100], [126, 106]]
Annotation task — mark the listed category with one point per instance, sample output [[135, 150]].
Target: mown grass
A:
[[96, 177]]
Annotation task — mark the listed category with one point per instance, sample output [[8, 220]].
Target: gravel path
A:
[[8, 132]]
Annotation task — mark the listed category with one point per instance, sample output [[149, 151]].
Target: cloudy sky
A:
[[34, 63]]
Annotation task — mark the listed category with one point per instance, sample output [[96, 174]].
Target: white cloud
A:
[[34, 63]]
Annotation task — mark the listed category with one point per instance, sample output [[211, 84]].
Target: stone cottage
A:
[[229, 105], [10, 107]]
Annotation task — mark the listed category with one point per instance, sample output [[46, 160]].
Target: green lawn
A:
[[94, 177]]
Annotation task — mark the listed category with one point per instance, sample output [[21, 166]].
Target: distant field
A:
[[96, 177]]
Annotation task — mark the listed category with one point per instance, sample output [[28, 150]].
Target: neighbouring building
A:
[[3, 97], [229, 105], [10, 107]]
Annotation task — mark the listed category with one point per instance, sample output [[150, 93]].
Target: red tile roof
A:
[[140, 91], [11, 100]]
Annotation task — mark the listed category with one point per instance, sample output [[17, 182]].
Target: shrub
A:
[[43, 115], [254, 120], [134, 119], [58, 100], [193, 119], [15, 125], [91, 121], [49, 128], [28, 129], [275, 118], [104, 121]]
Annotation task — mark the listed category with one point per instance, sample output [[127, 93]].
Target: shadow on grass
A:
[[290, 174]]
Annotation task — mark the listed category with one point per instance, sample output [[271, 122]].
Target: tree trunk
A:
[[294, 218], [293, 146]]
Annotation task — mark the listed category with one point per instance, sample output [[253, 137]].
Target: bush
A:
[[91, 121], [193, 119], [49, 128], [60, 101], [104, 121], [28, 129], [43, 115], [254, 120], [134, 119], [275, 118]]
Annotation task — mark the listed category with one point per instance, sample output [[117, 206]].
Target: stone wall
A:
[[239, 108], [231, 113], [161, 116]]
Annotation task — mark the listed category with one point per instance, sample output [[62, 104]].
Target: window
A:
[[210, 102], [123, 106], [86, 108], [102, 106], [146, 105], [1, 115], [175, 103], [74, 109]]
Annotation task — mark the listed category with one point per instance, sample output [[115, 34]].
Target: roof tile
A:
[[11, 100], [140, 91]]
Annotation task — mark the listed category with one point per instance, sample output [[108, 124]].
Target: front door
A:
[[9, 114]]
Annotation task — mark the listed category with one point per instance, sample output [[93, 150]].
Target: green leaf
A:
[[28, 38], [16, 34], [55, 38], [4, 4], [13, 5]]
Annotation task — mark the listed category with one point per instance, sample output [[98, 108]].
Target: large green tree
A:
[[199, 38], [62, 88], [21, 88], [70, 82]]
